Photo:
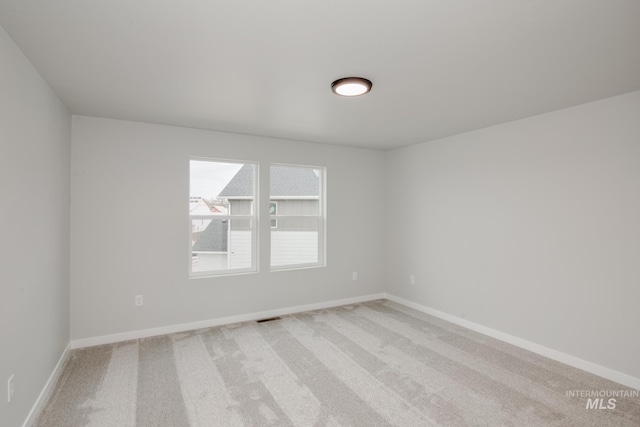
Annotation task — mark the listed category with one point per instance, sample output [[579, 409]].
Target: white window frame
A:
[[229, 217], [321, 217]]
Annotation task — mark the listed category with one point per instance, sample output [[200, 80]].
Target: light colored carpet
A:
[[371, 364]]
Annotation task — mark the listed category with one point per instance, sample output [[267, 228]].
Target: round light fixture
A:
[[351, 86]]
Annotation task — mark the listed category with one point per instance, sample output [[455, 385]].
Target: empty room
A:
[[336, 213]]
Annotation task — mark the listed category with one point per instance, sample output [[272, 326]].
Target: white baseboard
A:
[[47, 389], [576, 362], [145, 333]]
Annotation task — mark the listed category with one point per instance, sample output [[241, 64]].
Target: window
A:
[[297, 216], [223, 217]]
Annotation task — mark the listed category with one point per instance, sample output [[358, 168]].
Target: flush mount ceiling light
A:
[[351, 86]]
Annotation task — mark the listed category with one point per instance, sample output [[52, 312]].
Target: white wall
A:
[[130, 228], [531, 228], [35, 135]]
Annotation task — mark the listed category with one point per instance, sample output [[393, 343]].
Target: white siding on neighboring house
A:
[[294, 247], [240, 235], [295, 240], [239, 249], [240, 207], [296, 207]]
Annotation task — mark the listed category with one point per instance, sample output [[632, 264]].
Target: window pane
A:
[[210, 244], [221, 244], [222, 189], [295, 206], [212, 185], [295, 190], [240, 243], [295, 241]]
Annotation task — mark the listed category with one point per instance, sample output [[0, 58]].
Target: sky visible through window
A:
[[209, 178]]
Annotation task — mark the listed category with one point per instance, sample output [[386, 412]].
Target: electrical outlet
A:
[[354, 275], [412, 279], [139, 302], [10, 389]]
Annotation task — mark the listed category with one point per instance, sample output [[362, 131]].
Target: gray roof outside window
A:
[[213, 238], [286, 181]]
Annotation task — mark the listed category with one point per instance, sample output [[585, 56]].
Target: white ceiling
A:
[[439, 67]]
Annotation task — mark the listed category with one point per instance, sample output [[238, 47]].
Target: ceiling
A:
[[439, 67]]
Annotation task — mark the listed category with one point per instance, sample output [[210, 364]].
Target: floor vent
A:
[[270, 319]]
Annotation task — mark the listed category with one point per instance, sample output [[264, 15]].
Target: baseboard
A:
[[567, 359], [145, 333], [576, 362], [48, 387]]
